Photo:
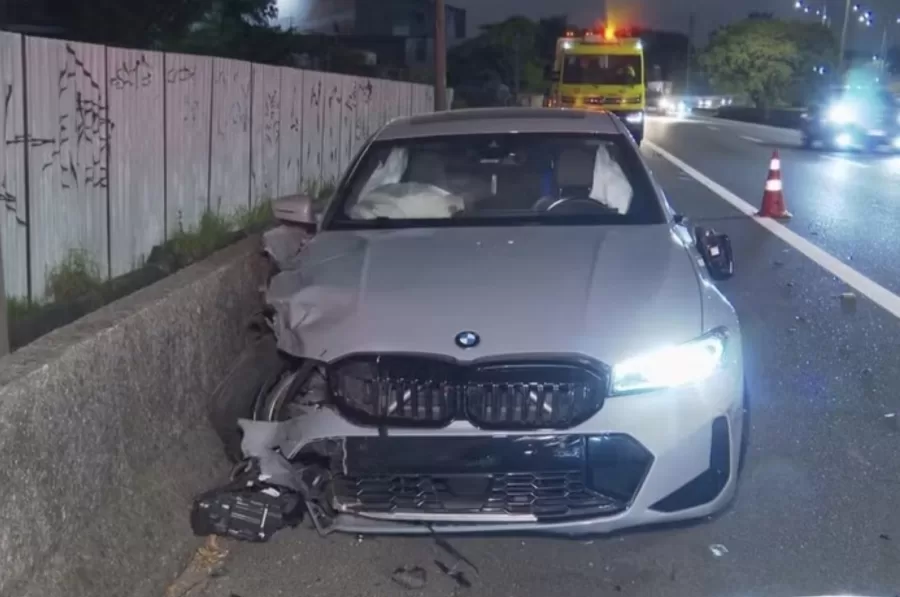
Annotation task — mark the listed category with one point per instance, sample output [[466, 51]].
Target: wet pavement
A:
[[816, 511]]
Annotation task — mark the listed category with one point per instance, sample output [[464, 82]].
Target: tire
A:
[[275, 403], [256, 370]]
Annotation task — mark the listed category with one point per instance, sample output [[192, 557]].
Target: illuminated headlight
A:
[[843, 140], [841, 114], [896, 143], [636, 118], [673, 366], [665, 103]]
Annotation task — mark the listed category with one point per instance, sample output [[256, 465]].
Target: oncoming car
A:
[[852, 118], [498, 325]]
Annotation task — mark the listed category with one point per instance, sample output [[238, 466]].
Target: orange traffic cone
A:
[[773, 197]]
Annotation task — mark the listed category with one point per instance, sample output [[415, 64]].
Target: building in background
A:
[[409, 23]]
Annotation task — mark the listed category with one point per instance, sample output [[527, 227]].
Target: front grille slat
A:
[[422, 391], [544, 495]]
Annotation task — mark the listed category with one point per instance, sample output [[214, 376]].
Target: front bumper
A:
[[642, 459]]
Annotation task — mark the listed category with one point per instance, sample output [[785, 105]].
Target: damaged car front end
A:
[[506, 357]]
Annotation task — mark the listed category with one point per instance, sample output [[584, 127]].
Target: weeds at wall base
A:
[[75, 286]]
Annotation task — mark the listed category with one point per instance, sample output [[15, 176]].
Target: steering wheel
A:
[[572, 206]]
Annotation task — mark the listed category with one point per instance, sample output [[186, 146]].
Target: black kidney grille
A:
[[420, 391], [543, 495], [530, 405]]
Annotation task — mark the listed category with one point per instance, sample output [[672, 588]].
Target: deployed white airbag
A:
[[610, 185], [407, 200], [388, 172]]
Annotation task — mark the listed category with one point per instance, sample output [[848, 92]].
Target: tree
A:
[[666, 49], [153, 23], [489, 61], [767, 59], [234, 28]]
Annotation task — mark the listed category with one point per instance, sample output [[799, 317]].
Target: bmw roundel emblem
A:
[[467, 339]]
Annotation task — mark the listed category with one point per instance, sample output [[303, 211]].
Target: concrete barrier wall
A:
[[111, 151], [103, 429]]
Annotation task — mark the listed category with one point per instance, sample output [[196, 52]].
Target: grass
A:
[[319, 192], [78, 276], [207, 236], [254, 218], [17, 308]]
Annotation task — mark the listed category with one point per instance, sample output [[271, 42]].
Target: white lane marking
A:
[[751, 139], [712, 128], [741, 123], [844, 160], [877, 293]]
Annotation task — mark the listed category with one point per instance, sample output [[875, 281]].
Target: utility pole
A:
[[844, 37], [516, 67], [440, 56], [883, 53], [687, 74], [4, 323]]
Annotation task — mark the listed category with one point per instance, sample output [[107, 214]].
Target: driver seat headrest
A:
[[575, 167]]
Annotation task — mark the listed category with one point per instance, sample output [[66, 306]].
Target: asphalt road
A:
[[817, 509]]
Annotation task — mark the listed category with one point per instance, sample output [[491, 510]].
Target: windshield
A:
[[505, 179], [601, 70]]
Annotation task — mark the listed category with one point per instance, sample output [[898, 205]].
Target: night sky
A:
[[673, 14]]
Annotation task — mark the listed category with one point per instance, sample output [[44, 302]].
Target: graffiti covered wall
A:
[[110, 151]]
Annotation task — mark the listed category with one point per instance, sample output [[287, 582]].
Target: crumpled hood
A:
[[606, 292]]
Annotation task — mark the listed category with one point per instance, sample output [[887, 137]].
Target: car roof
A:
[[501, 120]]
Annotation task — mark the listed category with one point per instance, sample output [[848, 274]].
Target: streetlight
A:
[[822, 12], [884, 43]]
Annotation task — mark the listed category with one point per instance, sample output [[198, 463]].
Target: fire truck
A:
[[600, 70]]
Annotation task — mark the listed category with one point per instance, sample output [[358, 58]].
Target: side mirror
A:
[[296, 210], [716, 252]]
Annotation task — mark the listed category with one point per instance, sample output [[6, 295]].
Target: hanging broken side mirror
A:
[[296, 210], [716, 252]]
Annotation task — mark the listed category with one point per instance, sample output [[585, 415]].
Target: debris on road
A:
[[454, 553], [456, 575], [410, 577], [884, 536], [848, 302], [718, 550], [206, 562]]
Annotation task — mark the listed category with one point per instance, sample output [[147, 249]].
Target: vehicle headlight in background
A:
[[843, 140], [671, 366], [841, 114], [636, 118]]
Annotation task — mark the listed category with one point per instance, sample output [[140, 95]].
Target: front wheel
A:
[[258, 368]]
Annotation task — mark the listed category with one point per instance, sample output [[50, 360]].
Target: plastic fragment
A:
[[409, 577], [718, 550], [848, 302]]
